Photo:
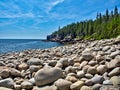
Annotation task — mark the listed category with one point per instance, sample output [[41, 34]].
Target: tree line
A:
[[103, 27]]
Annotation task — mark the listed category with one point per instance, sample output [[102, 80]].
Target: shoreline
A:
[[85, 64], [15, 45]]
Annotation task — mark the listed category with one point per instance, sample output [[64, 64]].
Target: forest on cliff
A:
[[103, 27]]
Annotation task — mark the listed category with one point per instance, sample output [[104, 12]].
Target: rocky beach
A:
[[86, 65]]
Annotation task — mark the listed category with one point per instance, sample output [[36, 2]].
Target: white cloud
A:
[[13, 10], [57, 2], [50, 5]]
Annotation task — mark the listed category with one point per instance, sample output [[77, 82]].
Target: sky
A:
[[35, 19]]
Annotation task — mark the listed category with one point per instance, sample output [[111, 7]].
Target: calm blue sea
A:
[[15, 45]]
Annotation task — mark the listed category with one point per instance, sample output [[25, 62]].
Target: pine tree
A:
[[58, 28], [100, 17], [107, 15], [116, 12], [97, 17], [112, 14]]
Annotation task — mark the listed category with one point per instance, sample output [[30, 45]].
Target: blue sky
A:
[[39, 18]]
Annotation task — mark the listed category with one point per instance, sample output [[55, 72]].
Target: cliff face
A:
[[58, 38], [49, 37], [54, 38]]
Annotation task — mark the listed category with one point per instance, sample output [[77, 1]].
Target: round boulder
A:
[[97, 79], [113, 63], [17, 87], [115, 81], [26, 85], [77, 85], [92, 63], [85, 88], [92, 70], [3, 88], [52, 63], [34, 61], [107, 82], [96, 87], [64, 61], [87, 56], [84, 63], [80, 74], [114, 72], [14, 72], [22, 66], [63, 84], [53, 87], [89, 76], [102, 69], [47, 75], [4, 72], [113, 54], [34, 68], [8, 83]]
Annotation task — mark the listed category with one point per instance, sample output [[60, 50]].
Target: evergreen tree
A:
[[100, 17], [97, 17], [58, 28], [116, 12], [107, 15]]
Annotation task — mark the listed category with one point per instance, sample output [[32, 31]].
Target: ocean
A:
[[16, 45]]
